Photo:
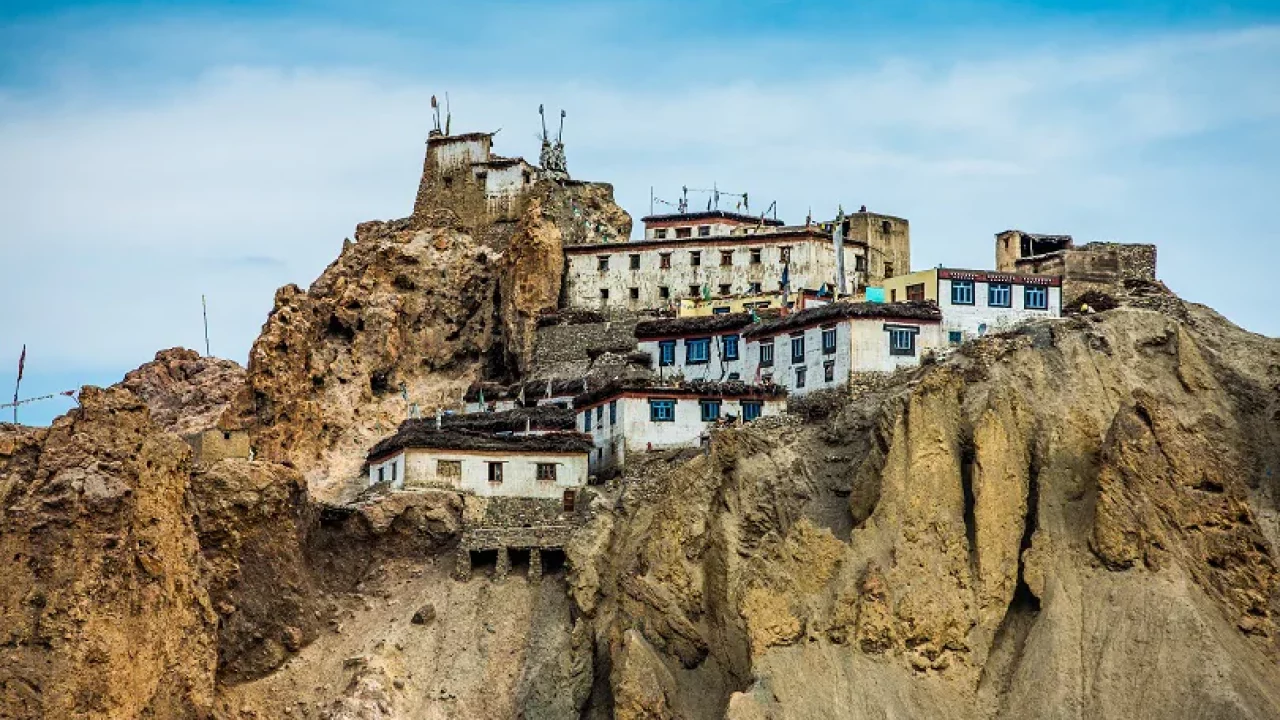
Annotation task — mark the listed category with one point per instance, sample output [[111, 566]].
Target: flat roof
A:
[[712, 215], [422, 434], [760, 238], [693, 388], [926, 310]]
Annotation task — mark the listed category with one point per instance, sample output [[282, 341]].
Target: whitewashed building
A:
[[977, 302], [542, 465], [718, 255], [623, 419], [707, 347], [822, 347]]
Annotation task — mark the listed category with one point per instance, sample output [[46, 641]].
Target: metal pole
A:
[[204, 308], [22, 361]]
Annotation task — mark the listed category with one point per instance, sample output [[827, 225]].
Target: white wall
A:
[[635, 432], [812, 264], [862, 345], [716, 368], [969, 320], [393, 466], [454, 154], [519, 472]]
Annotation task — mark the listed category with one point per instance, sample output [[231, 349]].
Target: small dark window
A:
[[481, 177], [684, 232], [602, 263], [667, 353], [720, 310], [704, 231], [695, 258], [797, 349], [828, 341], [726, 289], [660, 234], [664, 261], [766, 353], [902, 341], [893, 295], [635, 261], [753, 288], [599, 416], [635, 293], [860, 263], [710, 410], [726, 258], [800, 373], [448, 181], [664, 292], [694, 290], [784, 254], [955, 337], [613, 412], [915, 292], [751, 410], [495, 472], [886, 227], [756, 256], [888, 269], [828, 371], [604, 293], [226, 435], [569, 497], [546, 472], [527, 177]]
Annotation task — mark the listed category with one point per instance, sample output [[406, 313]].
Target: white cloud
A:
[[119, 213]]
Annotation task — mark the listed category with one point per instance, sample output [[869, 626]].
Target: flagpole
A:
[[204, 308], [22, 361]]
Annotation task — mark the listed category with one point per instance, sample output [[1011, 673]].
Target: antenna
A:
[[435, 113], [204, 309], [448, 114], [543, 115], [560, 135]]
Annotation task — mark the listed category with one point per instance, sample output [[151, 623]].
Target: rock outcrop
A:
[[185, 391]]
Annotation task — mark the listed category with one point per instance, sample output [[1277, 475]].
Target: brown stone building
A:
[[1100, 266]]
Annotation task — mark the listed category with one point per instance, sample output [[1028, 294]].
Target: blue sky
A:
[[151, 152]]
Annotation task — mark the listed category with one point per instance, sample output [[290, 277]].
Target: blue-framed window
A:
[[720, 311], [613, 412], [1000, 295], [797, 349], [697, 350], [730, 347], [710, 410], [751, 410], [828, 341], [902, 340], [599, 416], [1036, 298], [766, 353], [666, 353], [955, 337], [662, 410], [586, 421], [961, 292]]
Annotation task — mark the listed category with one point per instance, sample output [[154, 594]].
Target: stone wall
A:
[[1099, 266], [210, 446]]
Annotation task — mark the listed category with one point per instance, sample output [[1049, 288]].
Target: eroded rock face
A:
[[185, 391], [103, 613], [1053, 523]]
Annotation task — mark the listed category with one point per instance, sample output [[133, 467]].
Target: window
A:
[[697, 350], [694, 290], [664, 261], [448, 182], [730, 347], [1000, 295], [766, 353], [756, 256], [726, 289], [602, 263], [902, 340], [569, 497], [1036, 298], [961, 292], [784, 254], [885, 226], [754, 288], [684, 232], [481, 177], [613, 412], [635, 261], [604, 293], [860, 263], [888, 269], [599, 416], [664, 292], [546, 472], [828, 340], [662, 410], [695, 258], [721, 310], [381, 469], [586, 421], [660, 234], [829, 371], [635, 293], [800, 373], [495, 472], [704, 231], [893, 295], [955, 337], [666, 353], [526, 177], [797, 349], [710, 410], [767, 378], [915, 292], [751, 410], [449, 468], [726, 258]]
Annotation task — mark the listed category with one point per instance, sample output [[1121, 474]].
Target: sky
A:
[[152, 153]]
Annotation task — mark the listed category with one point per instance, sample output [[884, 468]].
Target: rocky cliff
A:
[[185, 391]]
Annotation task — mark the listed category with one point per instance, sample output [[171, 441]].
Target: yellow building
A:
[[800, 300], [919, 285]]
